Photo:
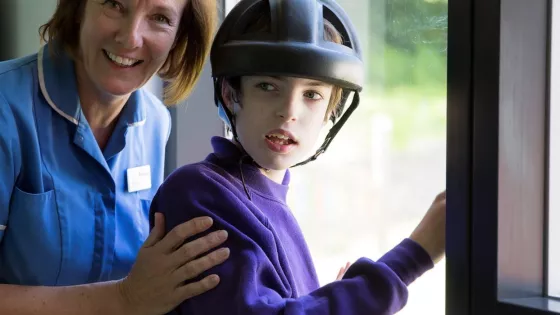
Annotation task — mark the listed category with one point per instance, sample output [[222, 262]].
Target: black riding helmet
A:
[[295, 47]]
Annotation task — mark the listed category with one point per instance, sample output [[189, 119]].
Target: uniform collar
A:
[[57, 80]]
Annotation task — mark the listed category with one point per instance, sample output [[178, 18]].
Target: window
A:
[[382, 171], [385, 167]]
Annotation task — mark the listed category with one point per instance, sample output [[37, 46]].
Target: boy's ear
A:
[[228, 95], [329, 114]]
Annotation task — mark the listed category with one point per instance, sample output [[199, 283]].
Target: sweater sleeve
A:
[[249, 282]]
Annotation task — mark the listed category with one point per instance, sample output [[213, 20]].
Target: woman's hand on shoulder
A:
[[162, 276]]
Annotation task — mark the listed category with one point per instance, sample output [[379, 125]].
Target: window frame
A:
[[498, 75], [553, 258]]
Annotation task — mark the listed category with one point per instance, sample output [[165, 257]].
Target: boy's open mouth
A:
[[280, 139]]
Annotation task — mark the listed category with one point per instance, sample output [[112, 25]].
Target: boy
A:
[[282, 71]]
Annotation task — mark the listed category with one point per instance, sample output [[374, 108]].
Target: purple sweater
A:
[[270, 270]]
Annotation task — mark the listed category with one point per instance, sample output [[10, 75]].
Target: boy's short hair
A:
[[261, 24]]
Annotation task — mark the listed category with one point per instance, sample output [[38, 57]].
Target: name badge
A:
[[139, 178]]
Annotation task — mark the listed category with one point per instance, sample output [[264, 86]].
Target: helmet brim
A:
[[336, 67]]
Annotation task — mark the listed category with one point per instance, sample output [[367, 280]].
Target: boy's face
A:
[[280, 118]]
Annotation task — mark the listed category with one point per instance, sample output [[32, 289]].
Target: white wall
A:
[[29, 16]]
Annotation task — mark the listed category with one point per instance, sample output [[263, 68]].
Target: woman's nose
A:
[[130, 34]]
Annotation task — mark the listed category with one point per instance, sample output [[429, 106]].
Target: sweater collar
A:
[[232, 158]]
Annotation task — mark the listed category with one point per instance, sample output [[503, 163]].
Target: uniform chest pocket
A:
[[31, 248]]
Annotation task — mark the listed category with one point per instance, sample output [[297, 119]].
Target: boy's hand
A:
[[430, 233], [342, 271]]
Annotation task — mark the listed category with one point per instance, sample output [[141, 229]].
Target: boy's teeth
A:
[[279, 136], [280, 140]]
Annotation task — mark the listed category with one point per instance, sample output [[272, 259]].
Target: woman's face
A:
[[124, 43]]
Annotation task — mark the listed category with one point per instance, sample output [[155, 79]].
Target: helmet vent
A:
[[329, 16]]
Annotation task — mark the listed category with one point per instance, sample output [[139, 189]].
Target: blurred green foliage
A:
[[408, 76]]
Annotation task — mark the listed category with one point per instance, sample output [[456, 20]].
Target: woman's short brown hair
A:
[[186, 59]]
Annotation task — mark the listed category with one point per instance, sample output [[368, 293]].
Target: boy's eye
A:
[[266, 86], [313, 95]]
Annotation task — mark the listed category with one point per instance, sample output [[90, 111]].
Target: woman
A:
[[82, 154], [286, 74]]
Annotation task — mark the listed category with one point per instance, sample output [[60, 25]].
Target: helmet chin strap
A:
[[334, 130], [236, 108]]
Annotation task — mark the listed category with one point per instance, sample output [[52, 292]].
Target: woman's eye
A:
[[112, 8], [112, 4], [162, 19]]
